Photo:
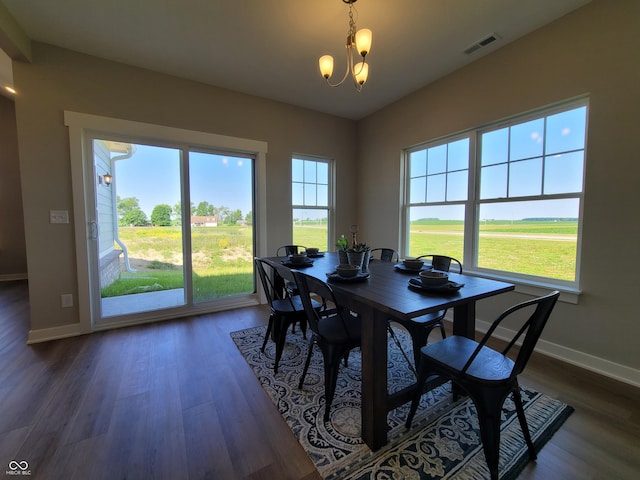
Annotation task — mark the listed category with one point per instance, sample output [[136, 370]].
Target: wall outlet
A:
[[58, 216], [66, 300]]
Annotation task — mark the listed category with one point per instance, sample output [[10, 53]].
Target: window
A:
[[505, 198], [438, 192], [311, 200]]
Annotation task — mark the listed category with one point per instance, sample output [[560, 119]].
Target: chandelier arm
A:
[[361, 68], [346, 73], [356, 84]]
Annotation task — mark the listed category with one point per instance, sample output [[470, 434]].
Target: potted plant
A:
[[343, 245], [357, 254]]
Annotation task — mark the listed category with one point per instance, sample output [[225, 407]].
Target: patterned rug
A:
[[444, 441]]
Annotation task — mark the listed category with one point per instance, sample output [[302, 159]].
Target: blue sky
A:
[[152, 175], [544, 156]]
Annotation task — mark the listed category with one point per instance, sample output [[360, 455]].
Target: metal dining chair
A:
[[333, 329], [286, 309], [486, 375]]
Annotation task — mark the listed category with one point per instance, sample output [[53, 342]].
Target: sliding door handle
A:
[[93, 230]]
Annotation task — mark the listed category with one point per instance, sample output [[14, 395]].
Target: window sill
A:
[[568, 294]]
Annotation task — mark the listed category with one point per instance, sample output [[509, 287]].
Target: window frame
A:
[[81, 128], [406, 221], [330, 207], [526, 282]]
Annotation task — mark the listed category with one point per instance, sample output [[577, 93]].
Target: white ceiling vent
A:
[[489, 39]]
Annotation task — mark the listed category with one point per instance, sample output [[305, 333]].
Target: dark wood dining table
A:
[[386, 295]]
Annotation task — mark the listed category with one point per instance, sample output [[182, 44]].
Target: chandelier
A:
[[358, 43]]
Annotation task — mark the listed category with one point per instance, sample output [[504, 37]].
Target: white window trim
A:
[[331, 194], [81, 124], [570, 291]]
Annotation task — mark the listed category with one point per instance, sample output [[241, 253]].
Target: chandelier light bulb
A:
[[363, 41], [326, 66], [361, 72]]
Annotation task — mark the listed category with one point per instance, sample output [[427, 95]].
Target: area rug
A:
[[444, 441]]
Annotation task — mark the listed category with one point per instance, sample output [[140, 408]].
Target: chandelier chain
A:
[[352, 23]]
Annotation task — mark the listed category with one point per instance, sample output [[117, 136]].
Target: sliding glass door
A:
[[222, 240], [140, 243], [173, 227]]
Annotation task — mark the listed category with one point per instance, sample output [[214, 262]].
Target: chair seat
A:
[[332, 329], [294, 304], [452, 353]]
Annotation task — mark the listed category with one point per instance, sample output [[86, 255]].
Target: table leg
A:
[[374, 378], [464, 320]]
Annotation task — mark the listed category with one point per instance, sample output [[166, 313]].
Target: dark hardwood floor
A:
[[176, 400]]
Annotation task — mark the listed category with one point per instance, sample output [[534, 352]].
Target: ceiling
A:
[[270, 48]]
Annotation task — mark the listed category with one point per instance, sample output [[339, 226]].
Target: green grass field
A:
[[545, 248], [311, 236], [223, 258]]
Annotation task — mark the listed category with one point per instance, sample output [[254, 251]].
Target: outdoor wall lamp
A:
[[106, 179]]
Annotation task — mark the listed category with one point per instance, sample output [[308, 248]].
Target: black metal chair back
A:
[[289, 250], [443, 262], [385, 254], [311, 288], [531, 329], [268, 282]]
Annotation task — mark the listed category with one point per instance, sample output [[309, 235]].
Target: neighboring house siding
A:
[[200, 221], [104, 200]]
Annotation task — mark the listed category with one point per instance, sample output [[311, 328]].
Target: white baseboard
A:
[[65, 331], [10, 277], [55, 333], [595, 364]]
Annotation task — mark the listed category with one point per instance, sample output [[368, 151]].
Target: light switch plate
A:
[[66, 300], [58, 216]]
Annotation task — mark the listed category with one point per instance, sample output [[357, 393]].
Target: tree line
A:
[[164, 215]]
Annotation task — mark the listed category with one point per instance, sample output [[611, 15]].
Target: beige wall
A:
[[13, 255], [594, 51], [60, 80]]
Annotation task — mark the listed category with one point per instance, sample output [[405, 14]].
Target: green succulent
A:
[[342, 243], [360, 247]]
